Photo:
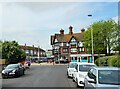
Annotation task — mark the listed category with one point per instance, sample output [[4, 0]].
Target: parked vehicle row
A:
[[89, 76]]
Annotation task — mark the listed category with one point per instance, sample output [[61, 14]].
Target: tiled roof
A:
[[67, 37], [30, 48]]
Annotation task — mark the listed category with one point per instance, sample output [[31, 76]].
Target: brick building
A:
[[32, 51], [69, 46]]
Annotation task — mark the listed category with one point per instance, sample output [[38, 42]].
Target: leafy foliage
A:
[[12, 52], [104, 35], [108, 61]]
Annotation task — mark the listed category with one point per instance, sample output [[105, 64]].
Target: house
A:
[[70, 46], [33, 52]]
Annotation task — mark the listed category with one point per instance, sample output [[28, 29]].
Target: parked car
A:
[[13, 70], [80, 72], [45, 60], [102, 78], [71, 69]]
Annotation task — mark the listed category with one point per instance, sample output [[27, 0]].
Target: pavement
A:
[[45, 63]]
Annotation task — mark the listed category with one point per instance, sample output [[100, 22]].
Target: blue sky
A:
[[30, 22]]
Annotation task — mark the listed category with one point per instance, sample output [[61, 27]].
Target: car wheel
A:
[[4, 77], [77, 83], [84, 87], [73, 80], [23, 72], [17, 74]]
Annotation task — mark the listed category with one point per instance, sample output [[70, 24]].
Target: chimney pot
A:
[[70, 30], [82, 30], [62, 31]]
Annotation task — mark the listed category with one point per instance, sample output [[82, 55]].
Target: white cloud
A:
[[35, 21]]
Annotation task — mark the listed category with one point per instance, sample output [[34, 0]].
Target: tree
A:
[[12, 51], [109, 29], [0, 49], [116, 40], [103, 35]]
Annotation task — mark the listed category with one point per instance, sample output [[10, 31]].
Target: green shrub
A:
[[116, 61], [102, 61], [108, 61]]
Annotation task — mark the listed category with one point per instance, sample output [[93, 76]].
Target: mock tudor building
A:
[[69, 46]]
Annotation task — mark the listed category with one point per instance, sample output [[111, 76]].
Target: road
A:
[[41, 76]]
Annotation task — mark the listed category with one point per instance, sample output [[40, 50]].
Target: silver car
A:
[[102, 78]]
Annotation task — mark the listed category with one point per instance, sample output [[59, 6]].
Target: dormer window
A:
[[80, 44], [56, 40], [73, 42]]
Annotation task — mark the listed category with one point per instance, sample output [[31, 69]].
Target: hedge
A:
[[108, 61]]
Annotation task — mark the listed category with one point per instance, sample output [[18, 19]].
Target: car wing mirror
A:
[[75, 70], [67, 66], [4, 67], [91, 81]]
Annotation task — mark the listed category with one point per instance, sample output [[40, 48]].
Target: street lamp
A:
[[58, 55], [38, 51], [92, 38]]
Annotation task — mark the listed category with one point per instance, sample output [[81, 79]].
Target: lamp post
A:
[[58, 54], [92, 38], [38, 52]]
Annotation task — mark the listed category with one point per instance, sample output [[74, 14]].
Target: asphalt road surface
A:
[[41, 76]]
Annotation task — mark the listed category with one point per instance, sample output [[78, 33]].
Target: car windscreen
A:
[[12, 66], [85, 67], [109, 77], [72, 65]]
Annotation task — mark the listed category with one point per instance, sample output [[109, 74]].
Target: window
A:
[[80, 44], [76, 67], [56, 40], [85, 67], [64, 44], [31, 51], [82, 49], [65, 50], [72, 65], [73, 42], [109, 77], [35, 52], [27, 51], [73, 49]]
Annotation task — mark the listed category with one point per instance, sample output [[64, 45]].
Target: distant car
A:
[[56, 61], [80, 72], [45, 60], [13, 70], [70, 69], [102, 78]]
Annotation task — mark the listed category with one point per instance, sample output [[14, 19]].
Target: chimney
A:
[[70, 30], [33, 45], [62, 31], [82, 30], [25, 44]]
